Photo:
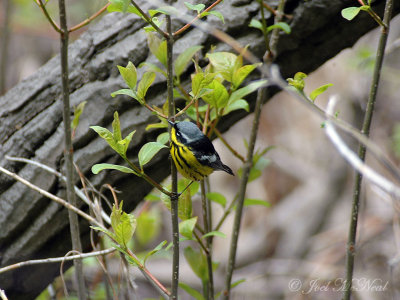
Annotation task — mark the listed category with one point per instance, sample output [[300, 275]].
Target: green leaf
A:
[[214, 233], [116, 125], [256, 24], [126, 141], [199, 82], [280, 25], [153, 68], [223, 63], [77, 114], [107, 136], [157, 125], [163, 138], [150, 28], [118, 5], [350, 13], [106, 231], [123, 224], [129, 74], [191, 291], [297, 81], [244, 91], [185, 200], [197, 7], [197, 262], [241, 73], [239, 104], [128, 92], [145, 83], [184, 58], [318, 91], [248, 202], [236, 283], [100, 167], [148, 151], [166, 10], [218, 96], [186, 227], [155, 250], [148, 226], [217, 198], [217, 14], [157, 47]]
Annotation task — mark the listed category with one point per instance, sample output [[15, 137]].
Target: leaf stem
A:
[[351, 242], [149, 20], [146, 177]]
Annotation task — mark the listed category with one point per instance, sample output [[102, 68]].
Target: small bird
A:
[[193, 153]]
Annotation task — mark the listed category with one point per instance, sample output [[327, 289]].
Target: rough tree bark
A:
[[31, 118]]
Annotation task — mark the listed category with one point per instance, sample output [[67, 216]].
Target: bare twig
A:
[[51, 196], [4, 44], [90, 19], [233, 151], [68, 150], [80, 194], [351, 243], [55, 259], [182, 29], [207, 228], [174, 197], [46, 14], [3, 295], [355, 161]]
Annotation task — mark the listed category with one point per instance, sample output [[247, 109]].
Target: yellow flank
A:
[[186, 162]]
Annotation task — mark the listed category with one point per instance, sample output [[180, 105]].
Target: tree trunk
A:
[[31, 118]]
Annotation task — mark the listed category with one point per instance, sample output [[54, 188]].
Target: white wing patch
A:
[[210, 158]]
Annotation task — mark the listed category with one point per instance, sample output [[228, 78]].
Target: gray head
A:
[[188, 131]]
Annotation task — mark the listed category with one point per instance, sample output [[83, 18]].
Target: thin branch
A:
[[46, 14], [68, 150], [351, 242], [80, 194], [174, 177], [55, 259], [182, 29], [52, 197], [233, 151], [207, 229], [355, 161], [90, 19], [147, 178], [149, 20], [261, 94], [164, 292], [4, 44], [181, 112], [3, 295]]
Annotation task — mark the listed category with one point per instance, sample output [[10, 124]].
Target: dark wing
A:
[[205, 153]]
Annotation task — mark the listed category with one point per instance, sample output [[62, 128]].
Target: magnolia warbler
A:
[[193, 153]]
